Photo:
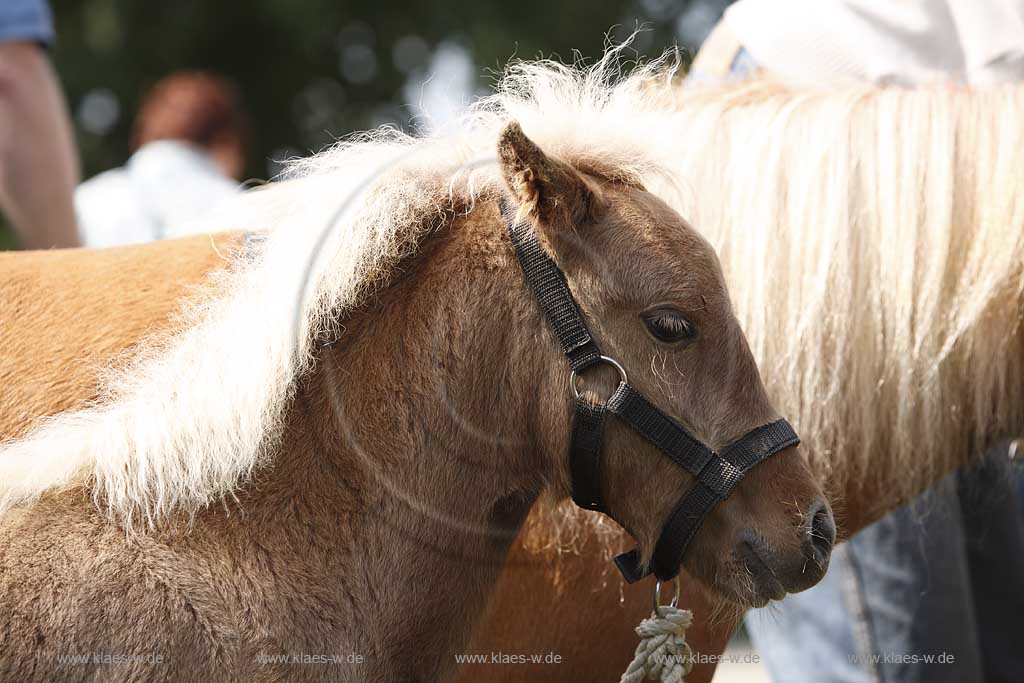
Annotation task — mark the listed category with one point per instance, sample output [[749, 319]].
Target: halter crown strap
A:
[[716, 474], [549, 286]]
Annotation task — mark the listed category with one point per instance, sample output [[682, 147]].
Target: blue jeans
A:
[[942, 578]]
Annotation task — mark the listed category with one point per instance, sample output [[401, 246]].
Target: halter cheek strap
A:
[[715, 474]]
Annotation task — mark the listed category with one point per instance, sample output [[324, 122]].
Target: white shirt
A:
[[159, 193], [884, 41]]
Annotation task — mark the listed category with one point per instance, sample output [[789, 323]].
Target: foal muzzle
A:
[[716, 473]]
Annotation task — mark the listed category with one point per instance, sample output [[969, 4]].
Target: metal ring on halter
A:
[[657, 597], [573, 377]]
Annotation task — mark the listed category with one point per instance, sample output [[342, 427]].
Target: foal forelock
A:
[[191, 416]]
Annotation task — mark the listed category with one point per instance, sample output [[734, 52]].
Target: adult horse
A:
[[237, 499]]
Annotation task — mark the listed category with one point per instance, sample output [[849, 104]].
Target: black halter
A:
[[716, 474]]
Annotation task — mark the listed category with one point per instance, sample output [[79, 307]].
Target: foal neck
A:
[[420, 443]]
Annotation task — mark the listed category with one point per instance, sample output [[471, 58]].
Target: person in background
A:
[[907, 43], [189, 152], [944, 576], [38, 161]]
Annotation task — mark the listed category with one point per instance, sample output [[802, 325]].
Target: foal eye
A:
[[669, 325]]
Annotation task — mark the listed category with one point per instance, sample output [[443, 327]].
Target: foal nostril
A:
[[820, 532]]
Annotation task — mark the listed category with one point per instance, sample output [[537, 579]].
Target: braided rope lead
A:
[[662, 654]]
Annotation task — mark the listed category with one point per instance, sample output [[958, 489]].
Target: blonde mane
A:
[[195, 414], [873, 242]]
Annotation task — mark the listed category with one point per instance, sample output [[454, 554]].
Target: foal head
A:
[[652, 292]]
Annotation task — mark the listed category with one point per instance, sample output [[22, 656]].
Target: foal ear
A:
[[550, 190]]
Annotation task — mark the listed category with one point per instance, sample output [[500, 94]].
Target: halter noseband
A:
[[716, 474]]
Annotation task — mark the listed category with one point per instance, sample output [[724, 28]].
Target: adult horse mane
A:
[[873, 239], [152, 444]]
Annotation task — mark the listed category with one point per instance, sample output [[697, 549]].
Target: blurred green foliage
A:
[[311, 71], [7, 240]]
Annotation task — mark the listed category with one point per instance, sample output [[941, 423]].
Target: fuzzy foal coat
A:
[[66, 315]]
